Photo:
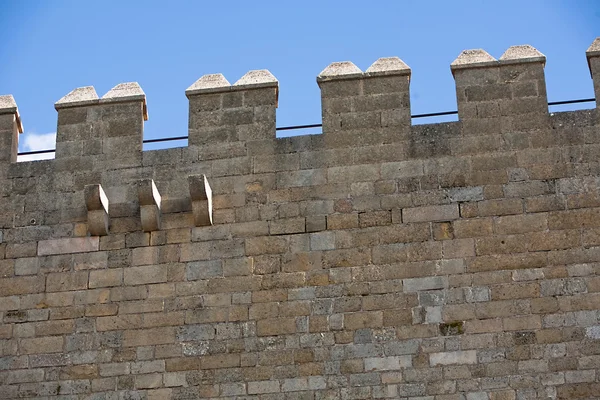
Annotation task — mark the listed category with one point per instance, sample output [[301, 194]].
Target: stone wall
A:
[[454, 261]]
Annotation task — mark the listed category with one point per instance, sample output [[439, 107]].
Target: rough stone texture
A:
[[7, 104], [209, 83], [97, 210], [340, 70], [255, 79], [388, 66], [80, 96], [593, 57], [150, 205], [470, 58], [124, 91], [202, 200], [522, 53], [378, 260]]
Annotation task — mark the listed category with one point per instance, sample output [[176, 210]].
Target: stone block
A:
[[105, 278], [388, 363], [27, 266], [150, 205], [261, 387], [144, 275], [238, 266], [447, 212], [453, 357], [66, 281], [316, 223], [275, 326], [204, 269], [265, 245], [48, 344], [287, 226], [68, 246], [342, 221], [322, 241], [201, 195], [97, 205], [428, 283]]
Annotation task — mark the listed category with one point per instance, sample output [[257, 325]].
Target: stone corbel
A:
[[97, 206], [201, 195], [150, 199]]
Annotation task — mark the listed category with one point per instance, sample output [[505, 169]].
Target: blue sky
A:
[[49, 48]]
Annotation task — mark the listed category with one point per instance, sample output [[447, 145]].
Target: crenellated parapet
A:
[[502, 106]]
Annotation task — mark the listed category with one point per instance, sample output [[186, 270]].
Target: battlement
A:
[[380, 259], [232, 127]]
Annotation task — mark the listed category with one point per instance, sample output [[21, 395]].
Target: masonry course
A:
[[452, 261]]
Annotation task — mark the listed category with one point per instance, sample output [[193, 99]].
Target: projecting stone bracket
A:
[[201, 195], [150, 199], [97, 206]]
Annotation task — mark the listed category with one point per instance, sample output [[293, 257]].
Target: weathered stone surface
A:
[[473, 58], [256, 79], [78, 97], [97, 205], [593, 58], [339, 70], [7, 104], [430, 213], [377, 260], [68, 246], [388, 66], [453, 357], [201, 195], [523, 53], [207, 84], [150, 205], [125, 92]]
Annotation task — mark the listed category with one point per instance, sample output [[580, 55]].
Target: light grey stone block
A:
[[473, 193], [427, 283], [593, 332], [204, 269], [388, 363], [260, 387], [453, 357], [68, 246], [190, 333], [322, 241], [477, 294]]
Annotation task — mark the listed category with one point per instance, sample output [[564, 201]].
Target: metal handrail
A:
[[295, 127]]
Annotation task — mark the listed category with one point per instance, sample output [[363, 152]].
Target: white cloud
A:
[[31, 141]]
